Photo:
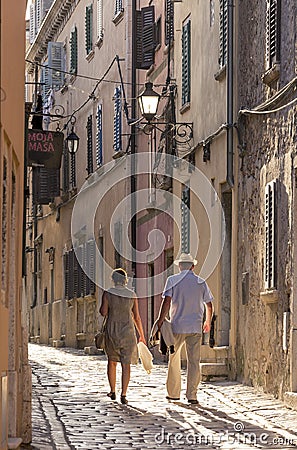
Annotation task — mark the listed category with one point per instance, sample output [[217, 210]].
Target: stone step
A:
[[213, 370]]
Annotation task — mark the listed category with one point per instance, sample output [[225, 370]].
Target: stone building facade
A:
[[266, 279], [15, 374]]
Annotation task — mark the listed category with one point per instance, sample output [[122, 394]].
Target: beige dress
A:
[[120, 337]]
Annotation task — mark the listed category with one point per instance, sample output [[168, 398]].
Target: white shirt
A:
[[188, 294]]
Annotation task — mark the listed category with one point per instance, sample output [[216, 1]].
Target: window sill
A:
[[185, 107], [118, 154], [220, 74], [150, 70], [118, 17], [90, 55], [271, 74], [99, 42], [269, 296]]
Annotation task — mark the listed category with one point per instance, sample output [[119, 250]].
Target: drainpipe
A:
[[133, 142], [230, 177]]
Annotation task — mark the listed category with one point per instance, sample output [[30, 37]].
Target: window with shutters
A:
[[46, 185], [99, 20], [185, 220], [99, 137], [89, 28], [32, 23], [145, 37], [118, 7], [90, 168], [270, 267], [186, 62], [169, 21], [272, 32], [117, 120], [66, 166], [223, 33], [73, 51], [55, 51], [77, 281]]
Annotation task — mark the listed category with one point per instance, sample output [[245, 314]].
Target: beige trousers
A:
[[193, 345]]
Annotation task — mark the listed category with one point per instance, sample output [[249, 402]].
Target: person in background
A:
[[120, 305], [185, 295]]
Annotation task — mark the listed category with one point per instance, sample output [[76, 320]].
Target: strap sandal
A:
[[111, 395]]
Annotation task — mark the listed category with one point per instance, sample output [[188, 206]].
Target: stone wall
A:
[[267, 142]]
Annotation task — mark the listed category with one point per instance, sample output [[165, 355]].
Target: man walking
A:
[[185, 295]]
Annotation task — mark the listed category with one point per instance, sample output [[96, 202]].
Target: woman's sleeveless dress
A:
[[120, 337]]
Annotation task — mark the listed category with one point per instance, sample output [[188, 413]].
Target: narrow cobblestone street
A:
[[71, 410]]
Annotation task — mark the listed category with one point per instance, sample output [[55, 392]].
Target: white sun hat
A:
[[185, 257]]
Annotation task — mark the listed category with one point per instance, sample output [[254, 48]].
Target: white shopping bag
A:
[[145, 356]]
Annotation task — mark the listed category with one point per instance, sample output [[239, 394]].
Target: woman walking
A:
[[120, 305]]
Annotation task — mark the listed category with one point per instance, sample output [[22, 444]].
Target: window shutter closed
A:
[[55, 52], [186, 62], [90, 168], [32, 23], [118, 243], [71, 274], [272, 32], [118, 7], [91, 260], [76, 268], [223, 33], [89, 28], [117, 121], [185, 220], [66, 275], [37, 14], [99, 137], [73, 51], [99, 19], [44, 78], [169, 21], [270, 235], [46, 185], [65, 169]]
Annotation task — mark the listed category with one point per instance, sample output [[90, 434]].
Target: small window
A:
[[169, 21], [272, 32], [99, 20], [118, 7], [99, 137], [158, 33]]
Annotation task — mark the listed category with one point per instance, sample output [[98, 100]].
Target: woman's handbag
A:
[[100, 336]]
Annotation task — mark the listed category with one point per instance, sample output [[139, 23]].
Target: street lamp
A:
[[148, 102], [72, 142]]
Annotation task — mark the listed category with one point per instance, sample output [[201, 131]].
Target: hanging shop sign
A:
[[45, 148]]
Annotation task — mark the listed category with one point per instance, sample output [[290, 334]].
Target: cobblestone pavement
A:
[[71, 410]]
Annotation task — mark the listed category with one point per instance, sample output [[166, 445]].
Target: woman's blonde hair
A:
[[119, 276]]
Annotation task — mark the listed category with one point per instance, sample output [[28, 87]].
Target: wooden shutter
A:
[[76, 267], [89, 28], [270, 268], [46, 185], [90, 168], [169, 21], [71, 274], [118, 244], [186, 63], [44, 79], [38, 14], [145, 37], [55, 52], [91, 266], [223, 33], [148, 36], [272, 32], [32, 23], [99, 19], [118, 7], [73, 51], [65, 169], [99, 137], [117, 121], [185, 220], [66, 275]]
